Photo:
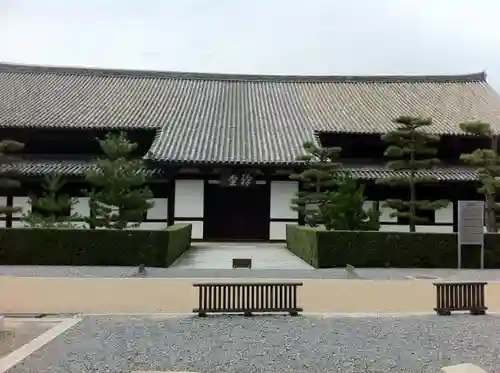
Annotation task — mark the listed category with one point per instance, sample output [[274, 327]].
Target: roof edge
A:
[[74, 70]]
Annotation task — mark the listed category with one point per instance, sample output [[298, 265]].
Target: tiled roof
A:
[[438, 173], [66, 167], [240, 119], [69, 167]]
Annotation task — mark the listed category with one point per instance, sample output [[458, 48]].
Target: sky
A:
[[341, 37]]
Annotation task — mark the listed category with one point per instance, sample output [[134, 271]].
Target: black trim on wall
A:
[[284, 220], [188, 219], [8, 217]]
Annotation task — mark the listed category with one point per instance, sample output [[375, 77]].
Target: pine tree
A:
[[8, 174], [344, 208], [414, 150], [318, 175], [487, 162], [120, 197], [52, 209]]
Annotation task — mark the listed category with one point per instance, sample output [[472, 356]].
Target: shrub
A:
[[23, 246], [327, 249]]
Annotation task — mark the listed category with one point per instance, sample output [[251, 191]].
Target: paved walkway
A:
[[77, 295], [220, 256]]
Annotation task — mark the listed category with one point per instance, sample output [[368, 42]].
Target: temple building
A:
[[220, 147]]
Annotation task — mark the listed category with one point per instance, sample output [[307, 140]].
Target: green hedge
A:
[[26, 246], [327, 249], [179, 241]]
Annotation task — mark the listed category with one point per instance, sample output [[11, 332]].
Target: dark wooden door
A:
[[236, 213]]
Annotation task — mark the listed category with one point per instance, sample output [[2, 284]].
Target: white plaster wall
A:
[[277, 230], [444, 215], [23, 203], [189, 196], [150, 226], [385, 215], [282, 193], [197, 232], [367, 205], [418, 228], [434, 228], [81, 207], [17, 224], [159, 209], [394, 228]]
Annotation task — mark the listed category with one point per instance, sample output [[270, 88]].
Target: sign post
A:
[[470, 227]]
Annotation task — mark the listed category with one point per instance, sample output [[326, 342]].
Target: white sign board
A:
[[470, 227], [470, 222]]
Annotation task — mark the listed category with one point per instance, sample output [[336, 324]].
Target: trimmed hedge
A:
[[25, 246], [327, 249]]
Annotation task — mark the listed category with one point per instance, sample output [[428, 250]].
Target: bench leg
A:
[[202, 314], [248, 314], [294, 313], [477, 312], [443, 312]]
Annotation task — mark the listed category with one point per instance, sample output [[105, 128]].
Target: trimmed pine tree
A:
[[120, 196], [413, 150]]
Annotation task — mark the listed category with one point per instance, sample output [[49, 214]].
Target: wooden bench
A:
[[460, 296], [242, 263], [247, 298]]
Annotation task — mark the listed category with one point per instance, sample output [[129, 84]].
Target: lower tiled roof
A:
[[65, 167], [439, 173], [362, 172]]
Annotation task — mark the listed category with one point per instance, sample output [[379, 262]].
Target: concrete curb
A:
[[23, 352]]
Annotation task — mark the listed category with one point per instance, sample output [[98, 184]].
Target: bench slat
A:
[[460, 296], [237, 297]]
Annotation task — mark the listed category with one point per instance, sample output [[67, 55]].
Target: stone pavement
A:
[[220, 256]]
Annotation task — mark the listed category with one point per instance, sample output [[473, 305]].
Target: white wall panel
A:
[[367, 205], [150, 227], [81, 207], [282, 193], [418, 228], [197, 232], [159, 209], [394, 228], [385, 215], [23, 203], [277, 230], [17, 224], [444, 215], [80, 225], [434, 228], [189, 198]]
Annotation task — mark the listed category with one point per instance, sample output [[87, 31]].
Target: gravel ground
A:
[[270, 344], [333, 273]]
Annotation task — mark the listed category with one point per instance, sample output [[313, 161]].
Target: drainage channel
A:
[[423, 277]]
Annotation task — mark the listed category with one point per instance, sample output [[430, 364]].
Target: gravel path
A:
[[333, 273], [270, 344]]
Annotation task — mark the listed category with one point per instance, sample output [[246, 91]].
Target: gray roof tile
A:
[[236, 118], [66, 167], [70, 167], [439, 173]]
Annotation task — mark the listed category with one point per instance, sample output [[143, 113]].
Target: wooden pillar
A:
[[171, 202], [8, 216]]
